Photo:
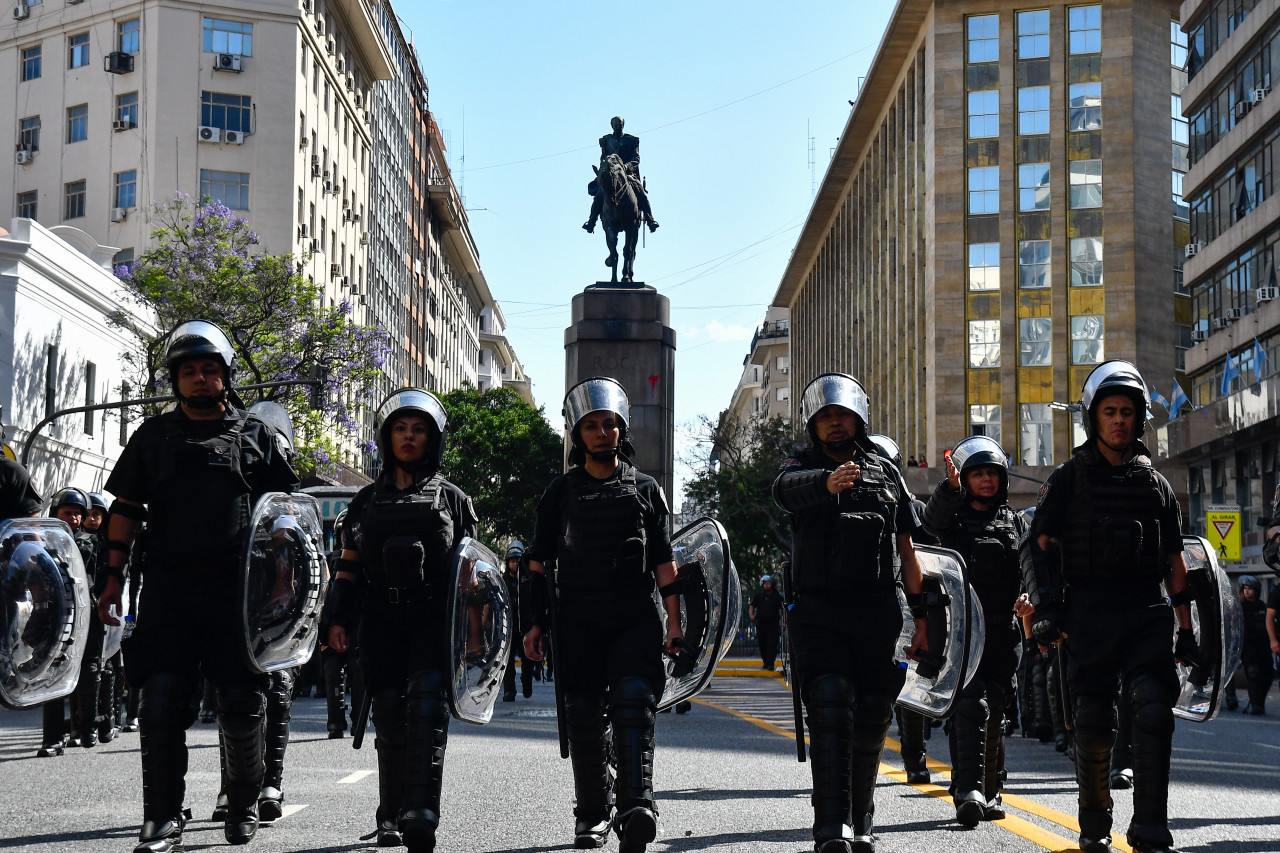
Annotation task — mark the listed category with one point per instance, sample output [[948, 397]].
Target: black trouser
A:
[[1105, 643], [1258, 673], [526, 669], [85, 701], [341, 669], [913, 731], [767, 635], [849, 699], [978, 717]]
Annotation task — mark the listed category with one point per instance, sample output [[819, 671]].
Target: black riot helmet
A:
[[597, 394], [834, 389], [515, 550], [981, 451], [199, 339], [1113, 377], [1251, 580], [70, 496], [97, 501], [888, 448], [423, 404]]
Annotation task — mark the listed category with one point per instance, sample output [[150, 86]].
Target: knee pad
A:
[[584, 712], [240, 709], [426, 697], [632, 703], [280, 688], [389, 717], [165, 702], [1152, 705], [829, 699], [428, 682], [972, 708]]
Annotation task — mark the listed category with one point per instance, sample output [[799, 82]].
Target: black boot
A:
[[631, 711], [592, 780], [241, 709], [335, 693], [426, 738], [222, 803], [54, 735], [389, 721], [968, 739], [1095, 732], [164, 837], [871, 719], [829, 701], [164, 709], [1151, 706], [993, 756], [911, 726], [275, 741]]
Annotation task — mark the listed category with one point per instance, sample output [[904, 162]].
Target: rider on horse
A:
[[627, 147]]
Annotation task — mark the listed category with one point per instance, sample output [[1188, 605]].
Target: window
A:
[[1037, 433], [126, 194], [1084, 27], [1035, 341], [51, 380], [1086, 184], [1033, 186], [229, 112], [984, 343], [984, 114], [27, 204], [1086, 339], [122, 262], [90, 380], [1180, 208], [984, 189], [74, 194], [985, 420], [29, 133], [1086, 261], [128, 36], [984, 38], [31, 63], [127, 108], [1086, 106], [78, 123], [984, 266], [1181, 135], [228, 37], [1033, 34], [78, 50], [230, 188], [1033, 110], [1033, 264]]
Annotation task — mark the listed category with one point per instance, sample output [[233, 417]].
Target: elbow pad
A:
[[342, 604], [795, 491], [1041, 576]]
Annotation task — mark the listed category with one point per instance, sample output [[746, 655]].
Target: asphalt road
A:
[[726, 779]]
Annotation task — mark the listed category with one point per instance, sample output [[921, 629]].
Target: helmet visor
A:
[[834, 389], [597, 394]]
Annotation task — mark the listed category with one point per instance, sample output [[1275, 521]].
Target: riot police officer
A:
[[398, 541], [1106, 531], [514, 579], [193, 474], [1255, 651], [852, 518], [18, 498], [969, 512], [341, 669], [605, 523]]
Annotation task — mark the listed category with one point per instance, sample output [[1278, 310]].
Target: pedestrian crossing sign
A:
[[1223, 528], [8, 452]]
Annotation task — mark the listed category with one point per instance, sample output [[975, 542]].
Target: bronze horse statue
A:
[[620, 214]]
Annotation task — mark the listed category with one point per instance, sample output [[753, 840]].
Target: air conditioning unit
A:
[[364, 238], [355, 217], [1199, 335], [315, 245], [119, 214], [315, 170], [315, 160], [359, 100], [1266, 294], [1257, 95], [342, 65], [337, 188], [1192, 249], [209, 134], [121, 124], [228, 62], [1242, 109], [23, 157], [351, 83], [1221, 323], [328, 179], [329, 47], [335, 270], [346, 282], [346, 202], [346, 214], [306, 5], [21, 12], [303, 142], [118, 62], [1235, 313], [319, 26], [302, 231], [328, 184], [234, 137]]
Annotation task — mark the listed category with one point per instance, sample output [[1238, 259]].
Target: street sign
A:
[[1222, 525]]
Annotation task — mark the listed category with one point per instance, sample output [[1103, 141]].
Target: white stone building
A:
[[498, 363]]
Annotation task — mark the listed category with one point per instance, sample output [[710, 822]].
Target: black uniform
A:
[[768, 606], [1117, 527], [1255, 654], [608, 537], [845, 565], [406, 539], [515, 581], [988, 541], [18, 498], [199, 480]]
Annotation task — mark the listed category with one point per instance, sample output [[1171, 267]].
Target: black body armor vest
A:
[[406, 540], [850, 544], [602, 535], [989, 545], [1112, 527], [199, 480]]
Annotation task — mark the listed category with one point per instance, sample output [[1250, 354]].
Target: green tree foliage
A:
[[736, 486], [204, 267], [502, 453]]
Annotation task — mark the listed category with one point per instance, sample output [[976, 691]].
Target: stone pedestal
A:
[[623, 333]]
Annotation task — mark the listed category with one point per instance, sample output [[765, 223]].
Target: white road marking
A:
[[355, 777], [292, 809]]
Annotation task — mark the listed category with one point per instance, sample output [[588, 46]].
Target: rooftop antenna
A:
[[813, 167]]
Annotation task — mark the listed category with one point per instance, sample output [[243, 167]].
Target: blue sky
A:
[[723, 97]]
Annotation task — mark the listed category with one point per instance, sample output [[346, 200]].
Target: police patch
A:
[[1044, 490]]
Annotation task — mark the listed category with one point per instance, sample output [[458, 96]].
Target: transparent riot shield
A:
[[44, 611], [283, 581], [1218, 621], [956, 635], [480, 632], [710, 606]]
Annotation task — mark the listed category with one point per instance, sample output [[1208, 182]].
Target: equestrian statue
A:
[[619, 200]]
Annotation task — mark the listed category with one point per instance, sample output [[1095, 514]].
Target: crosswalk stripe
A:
[[355, 777]]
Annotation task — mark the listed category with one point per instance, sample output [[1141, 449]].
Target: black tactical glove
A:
[[1271, 553], [1044, 623], [1186, 650], [1030, 648]]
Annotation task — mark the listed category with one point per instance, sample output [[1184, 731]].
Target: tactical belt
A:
[[1121, 593], [406, 595]]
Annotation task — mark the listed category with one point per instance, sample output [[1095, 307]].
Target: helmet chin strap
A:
[[841, 445], [604, 455]]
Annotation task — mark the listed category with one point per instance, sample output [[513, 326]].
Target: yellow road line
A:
[[1011, 823]]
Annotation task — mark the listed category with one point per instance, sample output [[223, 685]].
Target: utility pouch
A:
[[404, 559], [1120, 540], [988, 552], [858, 536], [628, 559]]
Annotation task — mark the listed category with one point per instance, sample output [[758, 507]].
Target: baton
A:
[[362, 719], [1064, 691], [553, 642], [795, 699]]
